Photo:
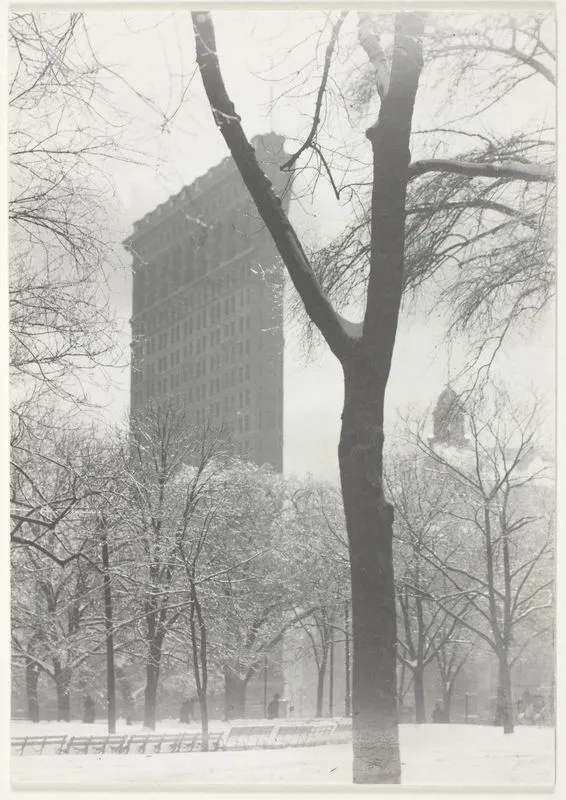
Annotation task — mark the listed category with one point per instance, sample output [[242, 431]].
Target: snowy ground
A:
[[433, 755]]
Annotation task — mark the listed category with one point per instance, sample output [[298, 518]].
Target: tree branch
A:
[[514, 170], [267, 203]]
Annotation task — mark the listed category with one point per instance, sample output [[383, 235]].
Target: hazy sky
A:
[[154, 52]]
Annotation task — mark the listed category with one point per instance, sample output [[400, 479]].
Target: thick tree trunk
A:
[[234, 696], [505, 697], [203, 703], [369, 521], [127, 697], [320, 688], [348, 694], [366, 362], [62, 677], [447, 701], [151, 686], [32, 683], [418, 690]]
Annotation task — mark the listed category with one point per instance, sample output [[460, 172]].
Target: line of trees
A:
[[198, 565], [185, 555]]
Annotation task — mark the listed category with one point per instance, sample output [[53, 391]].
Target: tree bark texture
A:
[[369, 523]]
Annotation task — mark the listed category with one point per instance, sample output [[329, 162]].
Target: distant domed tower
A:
[[448, 420]]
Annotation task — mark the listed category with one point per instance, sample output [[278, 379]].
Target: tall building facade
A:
[[207, 316]]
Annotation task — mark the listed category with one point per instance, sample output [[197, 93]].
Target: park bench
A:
[[96, 744], [343, 731], [39, 744], [291, 735], [192, 742], [241, 737], [153, 743], [321, 734]]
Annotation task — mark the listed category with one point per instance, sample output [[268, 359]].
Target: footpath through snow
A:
[[433, 755]]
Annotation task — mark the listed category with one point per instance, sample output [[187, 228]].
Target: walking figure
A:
[[273, 708], [89, 710]]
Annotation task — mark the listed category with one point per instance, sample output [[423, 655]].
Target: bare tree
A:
[[170, 470], [427, 634], [364, 350], [500, 559]]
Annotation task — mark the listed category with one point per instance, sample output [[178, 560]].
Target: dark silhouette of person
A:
[[186, 712], [438, 714], [273, 708], [89, 710]]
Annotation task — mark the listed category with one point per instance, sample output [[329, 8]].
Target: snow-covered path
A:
[[433, 755]]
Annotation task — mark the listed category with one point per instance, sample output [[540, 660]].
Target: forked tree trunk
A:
[[366, 360], [234, 696]]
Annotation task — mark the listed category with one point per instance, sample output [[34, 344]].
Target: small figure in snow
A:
[[186, 712], [273, 708], [438, 714], [89, 710]]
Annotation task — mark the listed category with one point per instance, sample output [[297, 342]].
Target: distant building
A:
[[449, 420], [207, 317], [207, 322]]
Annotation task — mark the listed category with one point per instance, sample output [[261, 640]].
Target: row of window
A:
[[215, 411], [219, 335], [203, 319], [220, 197], [207, 281]]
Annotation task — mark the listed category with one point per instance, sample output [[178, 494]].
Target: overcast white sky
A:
[[154, 52]]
